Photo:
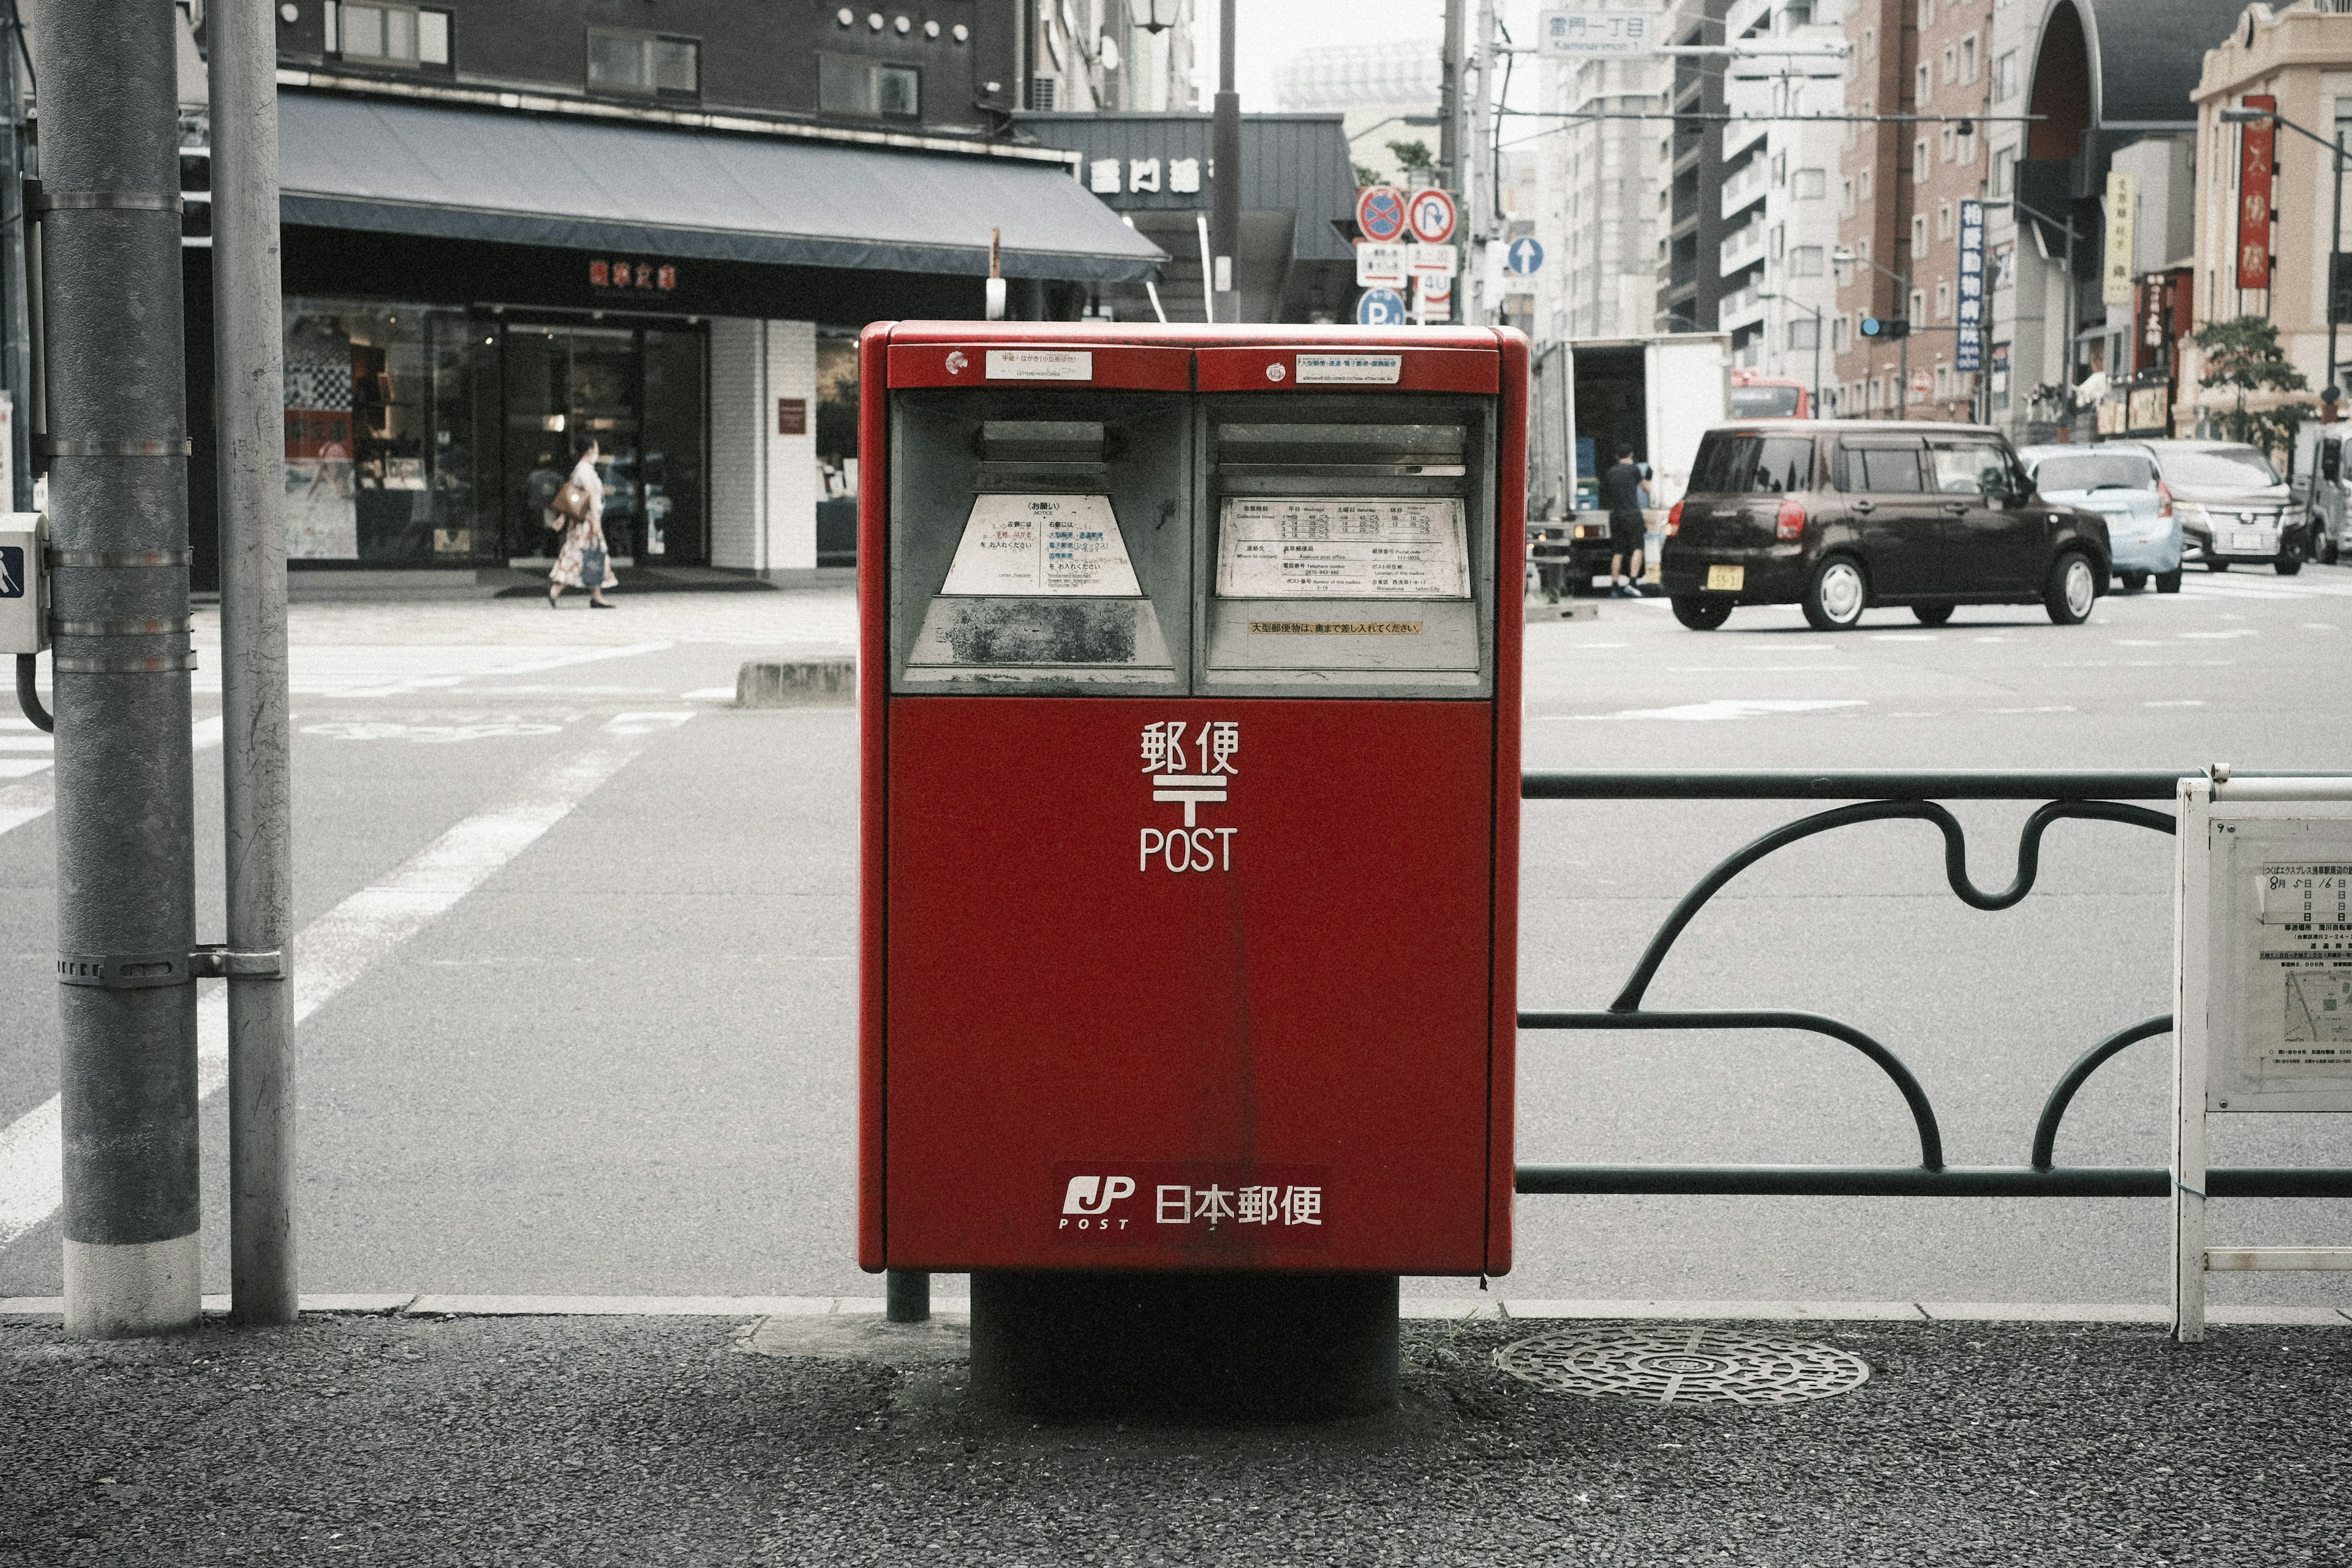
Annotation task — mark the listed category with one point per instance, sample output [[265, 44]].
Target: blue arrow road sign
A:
[[1380, 307], [1523, 255]]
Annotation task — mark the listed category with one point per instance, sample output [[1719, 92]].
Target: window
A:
[[1951, 58], [1964, 147], [1919, 160], [1943, 390], [1865, 178], [1802, 334], [1870, 43], [1779, 238], [643, 62], [1943, 220], [1846, 198], [1969, 58], [1840, 327], [1919, 234], [847, 85], [2004, 170], [1926, 15], [388, 35], [1944, 301], [1883, 471], [1877, 392], [1809, 185], [1805, 261], [1918, 307], [1923, 84], [2004, 78], [1946, 142], [1780, 169]]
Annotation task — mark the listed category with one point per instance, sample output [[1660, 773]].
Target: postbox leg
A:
[[907, 1296], [1280, 1346]]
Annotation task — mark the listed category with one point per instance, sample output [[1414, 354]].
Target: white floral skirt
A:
[[577, 538]]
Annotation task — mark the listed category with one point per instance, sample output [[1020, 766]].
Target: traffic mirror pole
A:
[[119, 524], [256, 802]]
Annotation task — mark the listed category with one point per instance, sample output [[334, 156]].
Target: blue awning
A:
[[448, 172]]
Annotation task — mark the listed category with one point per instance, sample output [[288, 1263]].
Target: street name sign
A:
[[1577, 34]]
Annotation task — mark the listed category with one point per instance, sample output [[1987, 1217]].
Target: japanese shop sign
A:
[[2116, 281], [659, 276], [1968, 353], [2257, 149]]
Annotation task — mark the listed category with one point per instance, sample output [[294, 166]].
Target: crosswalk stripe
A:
[[343, 944], [34, 797]]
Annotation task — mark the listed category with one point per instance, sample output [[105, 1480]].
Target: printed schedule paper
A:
[[1284, 547], [1051, 545]]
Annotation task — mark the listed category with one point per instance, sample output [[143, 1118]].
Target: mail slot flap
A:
[[1045, 441], [1428, 449], [1317, 369], [1042, 366]]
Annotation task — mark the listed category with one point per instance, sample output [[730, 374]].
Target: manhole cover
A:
[[1702, 1366]]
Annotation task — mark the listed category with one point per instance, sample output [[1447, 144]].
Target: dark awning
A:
[[532, 179]]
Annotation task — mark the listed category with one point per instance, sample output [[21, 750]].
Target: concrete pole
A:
[[119, 518], [1450, 102], [1223, 284], [249, 393], [16, 317]]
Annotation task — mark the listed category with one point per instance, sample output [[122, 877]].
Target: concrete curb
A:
[[1444, 1309], [822, 682]]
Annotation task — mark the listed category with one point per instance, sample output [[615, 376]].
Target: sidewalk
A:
[[630, 1440]]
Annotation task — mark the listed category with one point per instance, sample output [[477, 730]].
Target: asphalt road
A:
[[617, 1055]]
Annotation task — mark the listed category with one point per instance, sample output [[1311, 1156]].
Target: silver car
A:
[[2232, 504], [2143, 527]]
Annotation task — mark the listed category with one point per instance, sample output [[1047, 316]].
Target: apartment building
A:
[[1109, 54], [1780, 220], [1922, 66], [1377, 90], [1599, 184], [1690, 275]]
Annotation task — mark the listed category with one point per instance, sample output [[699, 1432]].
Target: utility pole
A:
[[118, 522], [1450, 102], [1225, 178], [1482, 174], [258, 806]]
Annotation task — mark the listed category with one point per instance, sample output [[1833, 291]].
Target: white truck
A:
[[1657, 394]]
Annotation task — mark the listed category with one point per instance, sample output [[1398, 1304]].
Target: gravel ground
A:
[[633, 1441]]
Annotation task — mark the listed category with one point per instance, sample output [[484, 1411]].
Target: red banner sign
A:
[[2257, 152]]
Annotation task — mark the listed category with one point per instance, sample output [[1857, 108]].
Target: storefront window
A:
[[377, 412], [836, 449]]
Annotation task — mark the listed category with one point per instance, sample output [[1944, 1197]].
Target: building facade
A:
[[511, 225], [1691, 252], [1779, 294], [1380, 91], [1597, 212], [2301, 57], [1084, 55]]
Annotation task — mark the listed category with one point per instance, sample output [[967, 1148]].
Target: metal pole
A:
[[1450, 96], [2334, 256], [1225, 183], [907, 1296], [248, 388], [119, 520], [1903, 393], [16, 365]]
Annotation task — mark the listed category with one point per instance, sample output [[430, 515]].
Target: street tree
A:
[[2244, 355]]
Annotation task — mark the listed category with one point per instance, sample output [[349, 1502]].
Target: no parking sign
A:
[[1380, 213]]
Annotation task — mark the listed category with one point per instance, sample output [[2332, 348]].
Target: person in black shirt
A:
[[1623, 489]]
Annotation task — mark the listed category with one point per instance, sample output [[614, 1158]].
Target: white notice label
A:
[[1350, 369], [1343, 548], [1041, 364], [1029, 545]]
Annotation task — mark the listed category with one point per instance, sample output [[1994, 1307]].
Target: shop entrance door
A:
[[639, 392]]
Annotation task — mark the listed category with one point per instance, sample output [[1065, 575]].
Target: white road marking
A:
[[727, 693], [2232, 632], [1902, 636], [1761, 669], [34, 743], [343, 944], [2056, 708], [2177, 702], [1724, 708]]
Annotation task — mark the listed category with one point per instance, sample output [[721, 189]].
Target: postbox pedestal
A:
[[1252, 1345]]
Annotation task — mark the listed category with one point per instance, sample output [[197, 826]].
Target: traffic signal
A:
[[2340, 288], [1886, 329]]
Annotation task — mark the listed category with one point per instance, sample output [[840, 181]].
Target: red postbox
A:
[[1189, 685]]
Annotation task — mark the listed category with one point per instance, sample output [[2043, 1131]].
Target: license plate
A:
[[2247, 539], [1727, 579]]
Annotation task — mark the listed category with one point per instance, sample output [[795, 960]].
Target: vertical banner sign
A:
[[1968, 353], [2115, 285], [2256, 151]]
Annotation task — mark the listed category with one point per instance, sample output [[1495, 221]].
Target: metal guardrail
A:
[[1880, 797]]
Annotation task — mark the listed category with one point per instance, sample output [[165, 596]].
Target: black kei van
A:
[[1840, 516]]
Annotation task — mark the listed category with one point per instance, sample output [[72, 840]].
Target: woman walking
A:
[[583, 562]]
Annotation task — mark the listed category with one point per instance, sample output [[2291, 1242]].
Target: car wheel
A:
[[2317, 544], [1701, 615], [1837, 595], [2169, 582], [2073, 589], [2288, 562], [1932, 615], [2215, 563], [2133, 581]]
